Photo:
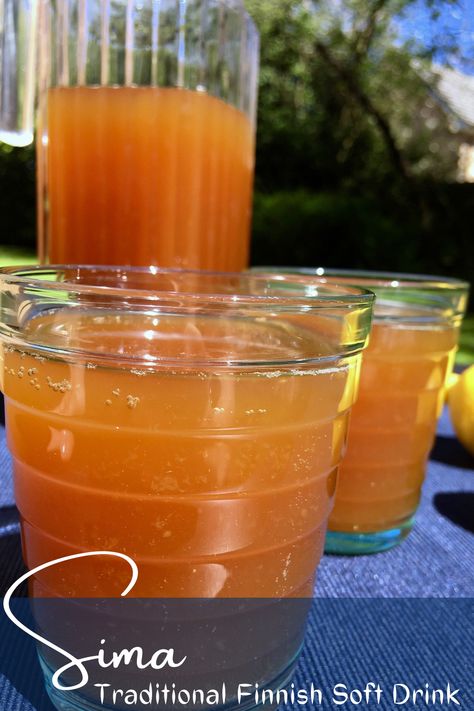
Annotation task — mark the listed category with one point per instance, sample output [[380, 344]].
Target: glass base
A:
[[74, 701], [341, 543]]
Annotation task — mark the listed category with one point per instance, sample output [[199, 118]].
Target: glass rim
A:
[[233, 297], [382, 279], [337, 296], [401, 298]]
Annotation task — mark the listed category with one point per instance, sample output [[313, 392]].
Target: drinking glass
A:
[[190, 420], [411, 354], [146, 132], [164, 385]]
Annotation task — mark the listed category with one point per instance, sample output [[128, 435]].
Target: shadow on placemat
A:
[[448, 450], [458, 507], [21, 681], [10, 551]]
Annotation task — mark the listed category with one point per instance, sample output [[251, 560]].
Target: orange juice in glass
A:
[[193, 422], [410, 355], [147, 134]]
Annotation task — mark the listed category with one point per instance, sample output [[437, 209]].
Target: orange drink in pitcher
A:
[[146, 133], [148, 176]]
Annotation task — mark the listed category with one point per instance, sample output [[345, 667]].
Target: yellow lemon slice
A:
[[461, 406]]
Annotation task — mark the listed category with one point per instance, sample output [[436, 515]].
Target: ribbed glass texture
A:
[[147, 132], [205, 45]]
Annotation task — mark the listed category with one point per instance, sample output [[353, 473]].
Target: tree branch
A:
[[365, 37], [364, 101]]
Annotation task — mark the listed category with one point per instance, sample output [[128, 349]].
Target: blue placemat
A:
[[437, 559]]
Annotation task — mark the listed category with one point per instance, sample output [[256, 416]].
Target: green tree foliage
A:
[[17, 197], [344, 102], [288, 112], [356, 156]]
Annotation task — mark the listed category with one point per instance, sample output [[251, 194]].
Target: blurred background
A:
[[365, 147]]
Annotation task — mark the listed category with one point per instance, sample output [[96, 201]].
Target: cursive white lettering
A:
[[160, 658]]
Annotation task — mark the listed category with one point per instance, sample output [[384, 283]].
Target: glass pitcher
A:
[[17, 70], [146, 132]]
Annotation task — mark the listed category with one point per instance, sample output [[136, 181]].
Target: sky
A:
[[456, 19]]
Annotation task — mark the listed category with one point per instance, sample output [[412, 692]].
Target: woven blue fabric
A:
[[348, 641], [344, 641]]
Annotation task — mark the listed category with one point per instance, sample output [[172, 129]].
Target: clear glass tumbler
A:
[[410, 355], [193, 421], [146, 134]]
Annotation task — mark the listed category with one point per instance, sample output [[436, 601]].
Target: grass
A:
[[466, 347], [9, 257]]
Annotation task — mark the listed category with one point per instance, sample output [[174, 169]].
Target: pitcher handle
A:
[[18, 46]]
